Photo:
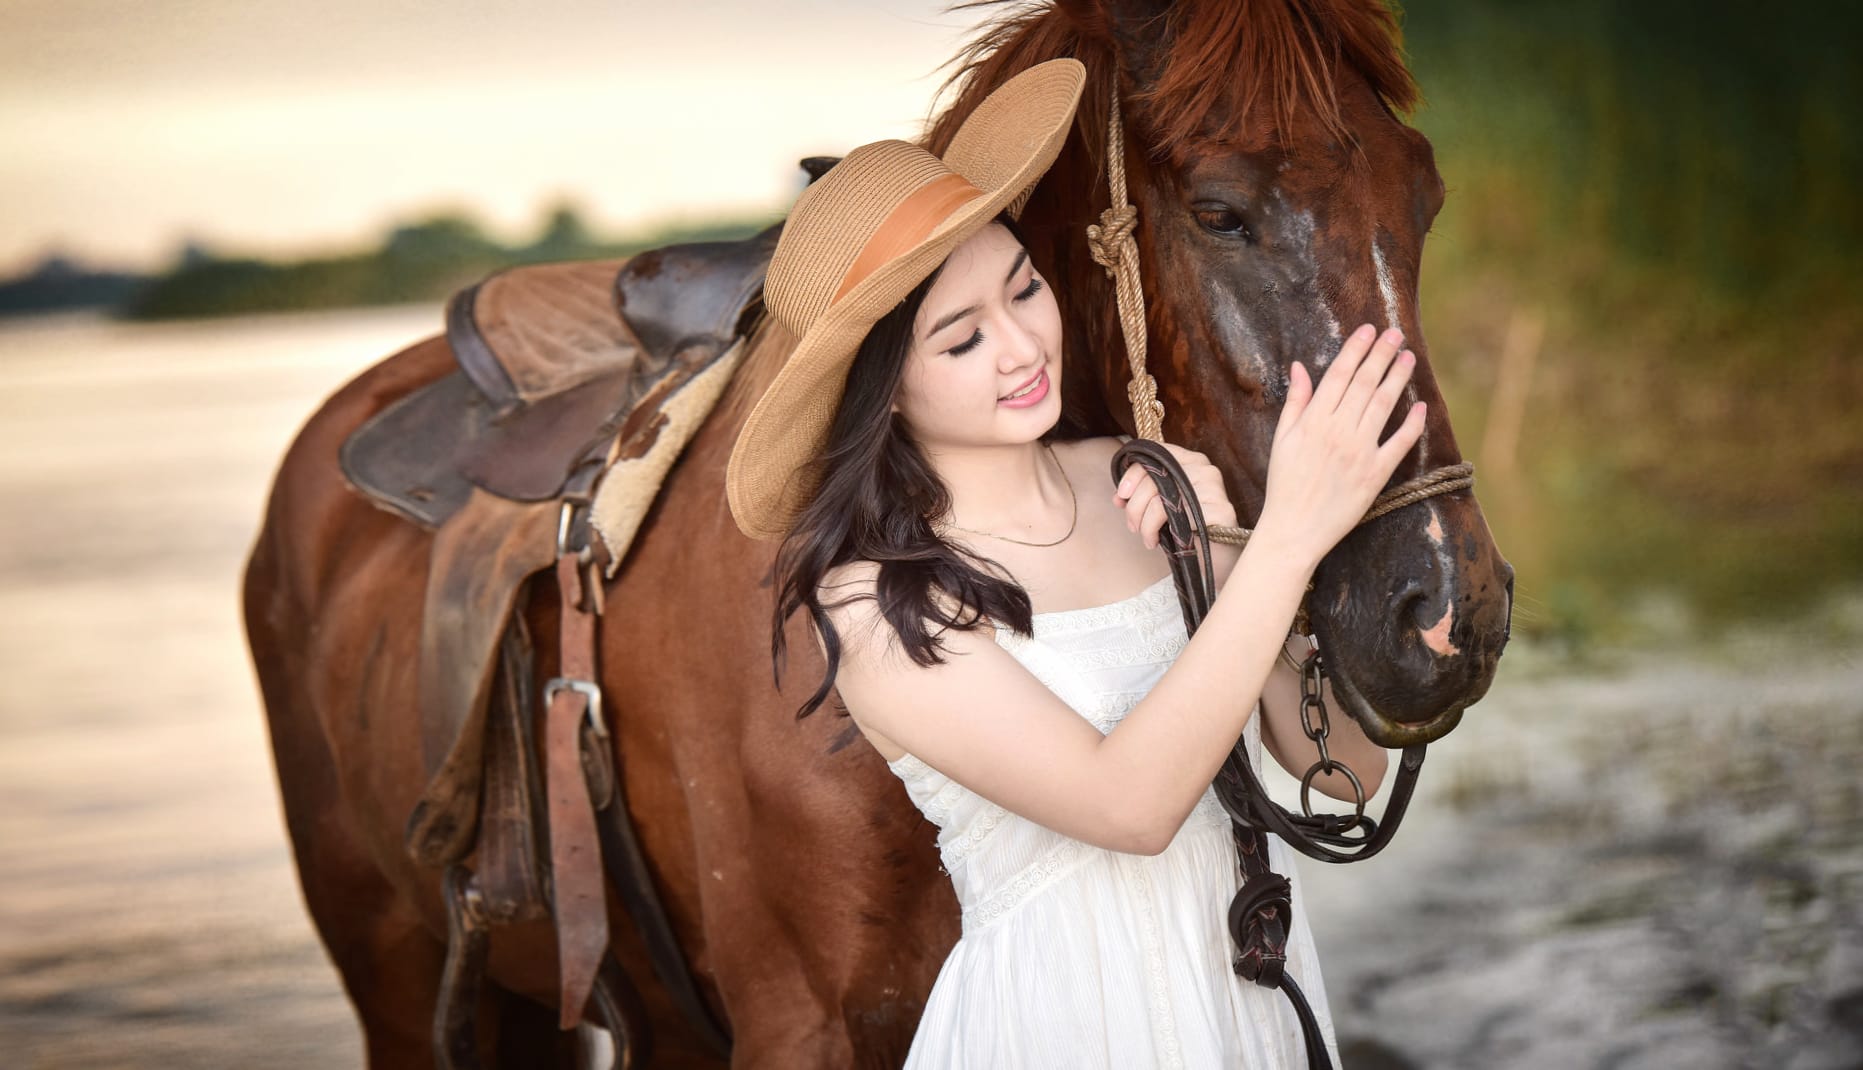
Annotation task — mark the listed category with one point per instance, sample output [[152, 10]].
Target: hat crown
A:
[[833, 220]]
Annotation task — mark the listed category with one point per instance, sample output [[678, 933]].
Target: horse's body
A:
[[803, 885]]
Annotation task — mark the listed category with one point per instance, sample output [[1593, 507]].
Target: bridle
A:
[[1260, 911]]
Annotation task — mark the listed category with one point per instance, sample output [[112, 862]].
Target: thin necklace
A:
[[1073, 500]]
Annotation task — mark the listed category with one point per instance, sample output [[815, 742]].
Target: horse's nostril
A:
[[1407, 605]]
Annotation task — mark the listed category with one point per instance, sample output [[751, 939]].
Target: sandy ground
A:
[[1658, 865], [1649, 864]]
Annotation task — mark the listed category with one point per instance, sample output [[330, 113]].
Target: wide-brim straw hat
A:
[[855, 244]]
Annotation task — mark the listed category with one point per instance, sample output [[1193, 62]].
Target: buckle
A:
[[590, 690]]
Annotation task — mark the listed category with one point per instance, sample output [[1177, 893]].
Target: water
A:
[[1651, 863], [149, 913]]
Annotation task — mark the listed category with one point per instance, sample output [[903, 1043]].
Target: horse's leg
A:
[[326, 657], [389, 962]]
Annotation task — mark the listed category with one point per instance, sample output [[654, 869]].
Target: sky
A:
[[129, 127]]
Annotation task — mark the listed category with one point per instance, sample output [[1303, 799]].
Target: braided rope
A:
[[1110, 242], [1113, 248]]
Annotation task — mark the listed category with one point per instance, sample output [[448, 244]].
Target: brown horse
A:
[[1281, 201]]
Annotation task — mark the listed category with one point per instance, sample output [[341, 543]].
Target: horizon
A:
[[137, 131]]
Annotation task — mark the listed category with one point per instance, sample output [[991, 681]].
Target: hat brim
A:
[[1003, 148]]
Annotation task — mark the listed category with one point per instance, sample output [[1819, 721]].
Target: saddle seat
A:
[[555, 361]]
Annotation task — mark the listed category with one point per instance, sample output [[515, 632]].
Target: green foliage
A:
[[423, 260], [1671, 187]]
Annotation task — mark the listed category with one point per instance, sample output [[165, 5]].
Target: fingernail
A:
[[1363, 328]]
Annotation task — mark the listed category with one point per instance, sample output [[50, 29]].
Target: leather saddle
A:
[[553, 361], [562, 369]]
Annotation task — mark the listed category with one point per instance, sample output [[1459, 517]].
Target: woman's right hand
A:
[[1326, 466]]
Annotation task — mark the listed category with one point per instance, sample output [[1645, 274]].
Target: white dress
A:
[[1079, 957]]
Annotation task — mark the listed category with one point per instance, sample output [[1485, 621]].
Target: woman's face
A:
[[989, 328]]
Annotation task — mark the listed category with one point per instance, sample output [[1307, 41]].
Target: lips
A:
[[1030, 381]]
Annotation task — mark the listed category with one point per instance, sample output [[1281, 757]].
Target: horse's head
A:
[[1281, 203]]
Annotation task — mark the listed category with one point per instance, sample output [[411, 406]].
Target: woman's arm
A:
[[983, 720], [987, 723]]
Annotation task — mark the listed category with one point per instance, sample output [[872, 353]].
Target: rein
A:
[[1261, 911]]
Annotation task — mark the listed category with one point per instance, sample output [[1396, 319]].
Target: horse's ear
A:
[[1135, 28], [817, 166]]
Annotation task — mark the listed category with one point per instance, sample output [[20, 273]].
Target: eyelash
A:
[[976, 338]]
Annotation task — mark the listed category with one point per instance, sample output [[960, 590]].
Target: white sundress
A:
[[1079, 957]]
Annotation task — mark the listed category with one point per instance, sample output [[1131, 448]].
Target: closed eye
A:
[[976, 337], [975, 340]]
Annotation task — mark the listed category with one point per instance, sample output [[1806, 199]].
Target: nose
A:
[[1426, 605], [1419, 604], [1020, 351]]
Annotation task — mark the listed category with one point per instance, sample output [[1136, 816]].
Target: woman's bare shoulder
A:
[[873, 666], [849, 594]]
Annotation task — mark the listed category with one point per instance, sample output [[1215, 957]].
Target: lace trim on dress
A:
[[935, 800], [1161, 592], [1049, 869], [1156, 651], [1163, 1020]]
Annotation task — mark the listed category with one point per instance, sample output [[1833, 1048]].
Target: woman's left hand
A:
[[1139, 497]]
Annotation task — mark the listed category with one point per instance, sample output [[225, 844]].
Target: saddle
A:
[[553, 360], [578, 384]]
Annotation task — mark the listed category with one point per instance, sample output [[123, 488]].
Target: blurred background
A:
[[1641, 849]]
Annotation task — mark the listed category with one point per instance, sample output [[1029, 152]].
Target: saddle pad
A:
[[638, 462]]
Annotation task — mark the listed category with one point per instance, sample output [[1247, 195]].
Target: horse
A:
[[1281, 201]]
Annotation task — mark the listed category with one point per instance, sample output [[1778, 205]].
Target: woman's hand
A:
[[1144, 506], [1326, 466]]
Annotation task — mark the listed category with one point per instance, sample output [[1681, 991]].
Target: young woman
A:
[[1005, 633]]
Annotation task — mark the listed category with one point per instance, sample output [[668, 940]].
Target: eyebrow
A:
[[1014, 266]]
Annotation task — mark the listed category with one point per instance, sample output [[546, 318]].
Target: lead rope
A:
[[1261, 913]]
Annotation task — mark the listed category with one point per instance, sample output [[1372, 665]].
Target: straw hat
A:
[[856, 243]]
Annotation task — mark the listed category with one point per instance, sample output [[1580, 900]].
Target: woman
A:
[[1013, 648]]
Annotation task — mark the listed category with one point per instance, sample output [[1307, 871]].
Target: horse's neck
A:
[[769, 347]]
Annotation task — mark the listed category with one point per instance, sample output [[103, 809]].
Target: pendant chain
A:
[[1073, 499]]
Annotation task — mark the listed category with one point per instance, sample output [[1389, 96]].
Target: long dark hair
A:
[[876, 499]]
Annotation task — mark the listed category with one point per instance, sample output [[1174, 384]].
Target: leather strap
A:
[[910, 222], [577, 895], [627, 868], [1261, 913]]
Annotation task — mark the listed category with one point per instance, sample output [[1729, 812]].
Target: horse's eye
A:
[[1221, 219]]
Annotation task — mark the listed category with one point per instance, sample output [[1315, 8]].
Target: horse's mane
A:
[[1281, 54]]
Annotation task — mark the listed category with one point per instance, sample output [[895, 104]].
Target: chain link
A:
[[1317, 728]]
